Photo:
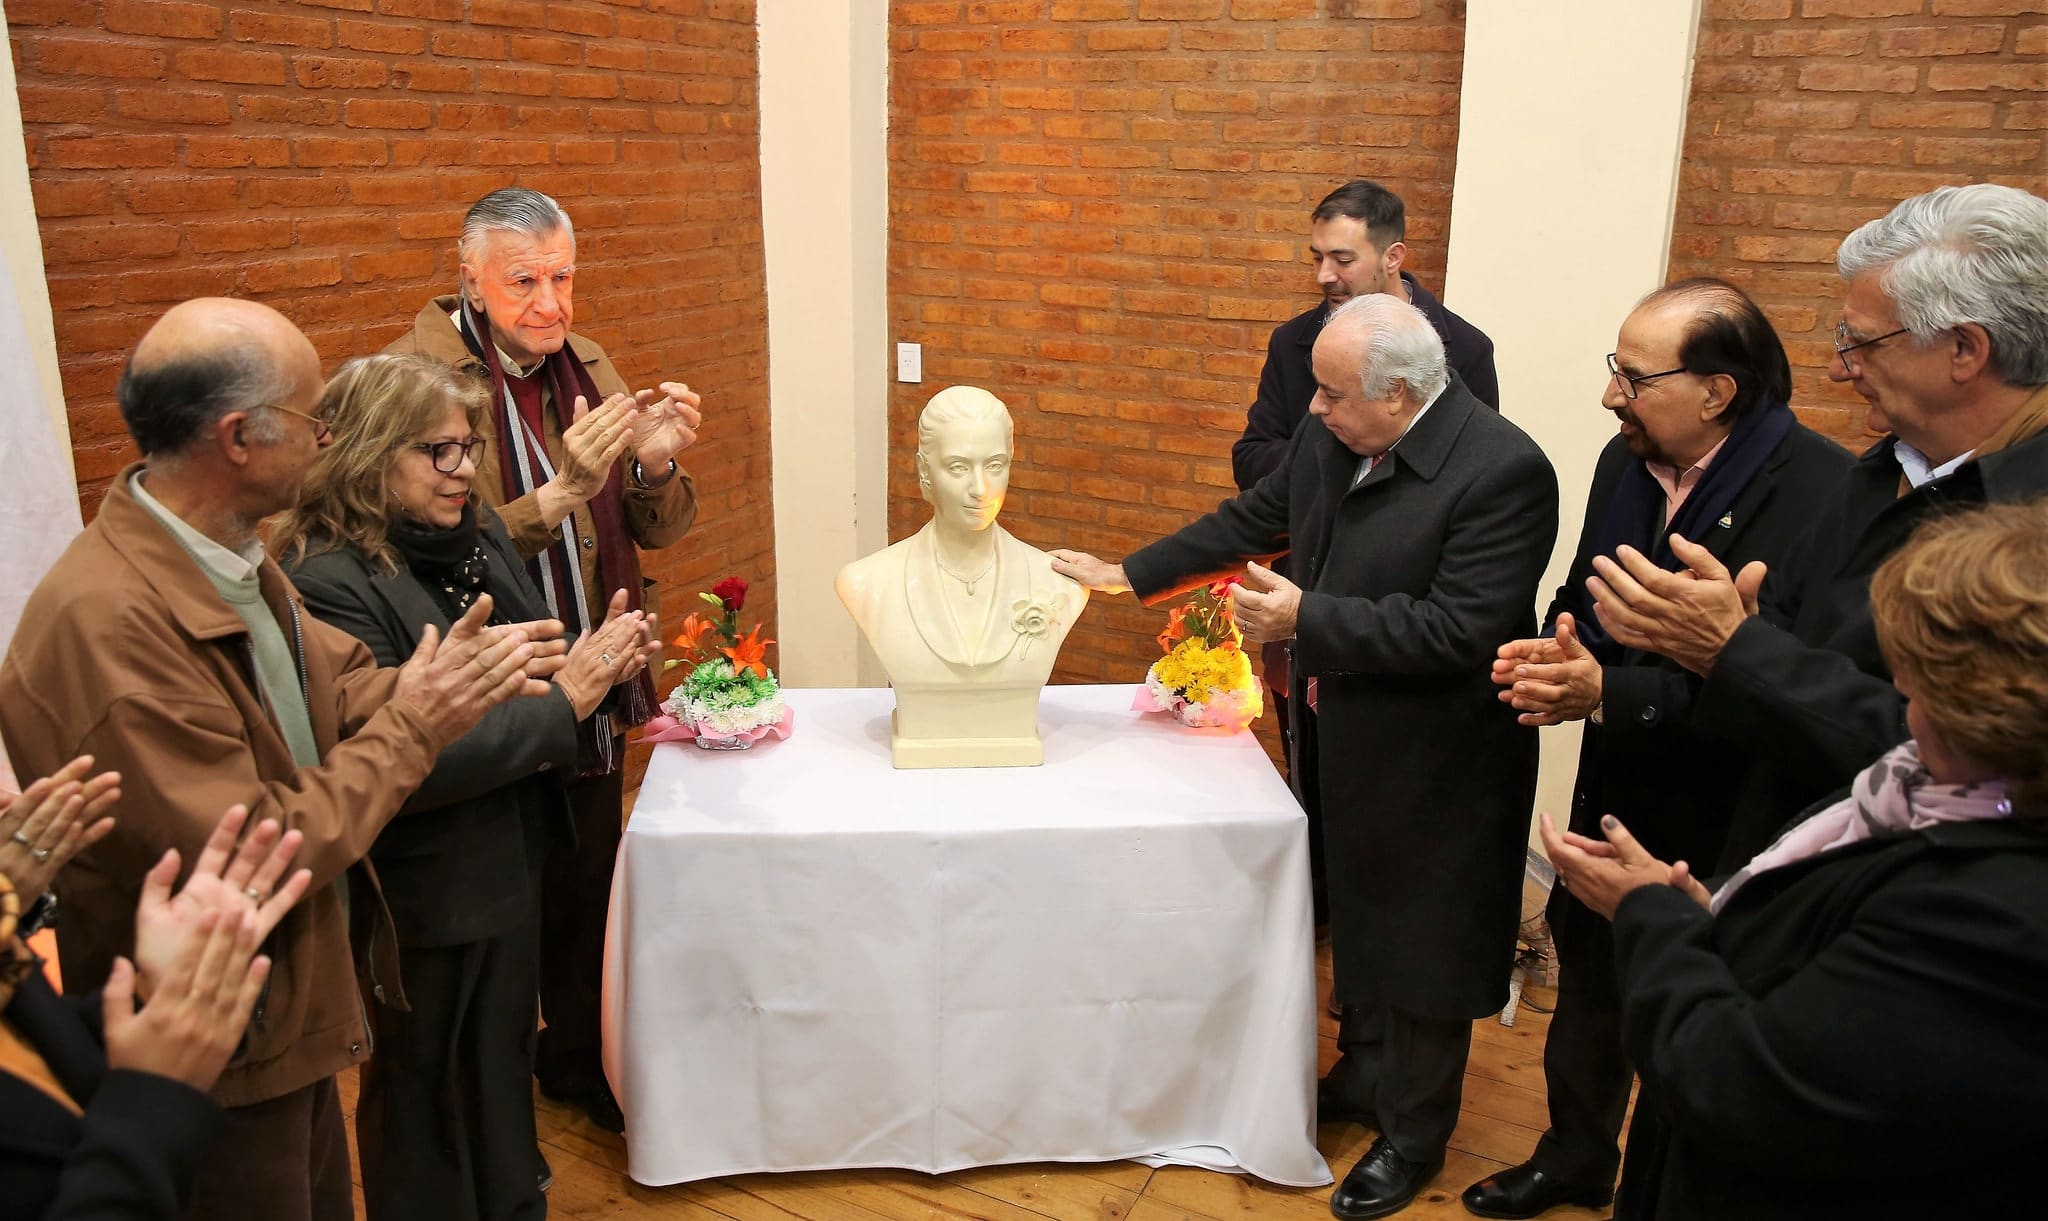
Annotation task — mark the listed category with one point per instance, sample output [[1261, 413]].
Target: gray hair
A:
[[1400, 345], [510, 210], [168, 403], [1957, 255]]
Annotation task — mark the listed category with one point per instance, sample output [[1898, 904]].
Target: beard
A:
[[1642, 445]]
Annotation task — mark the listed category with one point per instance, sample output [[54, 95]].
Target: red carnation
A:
[[732, 592]]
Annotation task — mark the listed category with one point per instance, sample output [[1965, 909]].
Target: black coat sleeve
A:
[[1810, 709], [1916, 1027], [519, 737], [141, 1142], [1271, 422], [1499, 539], [1244, 527]]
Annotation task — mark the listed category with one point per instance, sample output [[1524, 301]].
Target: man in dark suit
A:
[[1945, 331], [1358, 241], [1708, 449], [1420, 522]]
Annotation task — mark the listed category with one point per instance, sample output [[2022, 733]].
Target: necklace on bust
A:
[[969, 582]]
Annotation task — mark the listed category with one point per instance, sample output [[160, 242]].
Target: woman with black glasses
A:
[[386, 540]]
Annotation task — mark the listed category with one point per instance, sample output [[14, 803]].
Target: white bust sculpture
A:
[[966, 619]]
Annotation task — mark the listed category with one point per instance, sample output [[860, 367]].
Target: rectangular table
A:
[[816, 961]]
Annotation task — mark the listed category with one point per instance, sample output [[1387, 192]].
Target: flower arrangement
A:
[[729, 700], [1204, 678]]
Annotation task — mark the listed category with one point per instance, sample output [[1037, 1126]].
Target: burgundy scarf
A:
[[618, 563]]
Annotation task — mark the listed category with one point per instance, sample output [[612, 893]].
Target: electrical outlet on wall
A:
[[910, 362]]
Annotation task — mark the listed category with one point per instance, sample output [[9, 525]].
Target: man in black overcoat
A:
[[1944, 331], [1358, 243], [1420, 522], [1707, 448]]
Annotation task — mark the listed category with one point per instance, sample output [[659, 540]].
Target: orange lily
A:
[[747, 653], [692, 637], [1176, 628]]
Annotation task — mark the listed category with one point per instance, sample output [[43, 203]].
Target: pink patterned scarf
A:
[[1894, 794]]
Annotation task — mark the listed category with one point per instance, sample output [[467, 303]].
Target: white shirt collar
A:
[[1918, 472]]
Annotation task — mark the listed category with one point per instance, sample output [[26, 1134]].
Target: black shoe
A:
[[1332, 1106], [1524, 1191], [1382, 1182], [547, 1174], [597, 1104]]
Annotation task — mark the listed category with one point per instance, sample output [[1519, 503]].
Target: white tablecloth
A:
[[817, 961]]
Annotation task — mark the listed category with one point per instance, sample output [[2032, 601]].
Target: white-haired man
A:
[[1945, 331], [583, 472], [1420, 521]]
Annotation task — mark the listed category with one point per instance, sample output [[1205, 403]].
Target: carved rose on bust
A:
[[1032, 618]]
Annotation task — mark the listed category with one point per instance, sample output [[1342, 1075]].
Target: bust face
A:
[[967, 472]]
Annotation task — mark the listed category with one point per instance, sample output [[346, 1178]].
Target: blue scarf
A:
[[1632, 513]]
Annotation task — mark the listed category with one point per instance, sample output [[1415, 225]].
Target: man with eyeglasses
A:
[[1357, 244], [1945, 332], [584, 475], [1706, 448], [167, 645]]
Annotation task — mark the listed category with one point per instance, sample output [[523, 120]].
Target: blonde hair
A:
[[376, 406], [1962, 614]]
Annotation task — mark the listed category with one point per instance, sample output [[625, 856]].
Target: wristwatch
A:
[[640, 476], [1599, 714]]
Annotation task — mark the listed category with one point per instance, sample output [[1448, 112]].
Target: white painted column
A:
[[21, 252], [1570, 132], [38, 497], [824, 216]]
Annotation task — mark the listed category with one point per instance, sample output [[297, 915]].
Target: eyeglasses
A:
[[1844, 346], [1629, 383], [447, 456], [321, 428]]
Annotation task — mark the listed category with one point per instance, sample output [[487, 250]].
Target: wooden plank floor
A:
[[1502, 1116]]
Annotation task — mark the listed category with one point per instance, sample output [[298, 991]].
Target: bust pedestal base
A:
[[964, 726]]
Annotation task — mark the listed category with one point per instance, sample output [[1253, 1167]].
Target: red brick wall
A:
[[319, 156], [1099, 211], [1809, 117]]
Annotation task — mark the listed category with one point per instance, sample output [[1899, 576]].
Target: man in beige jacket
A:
[[584, 473]]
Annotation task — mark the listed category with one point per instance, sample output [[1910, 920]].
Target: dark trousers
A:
[[575, 899], [281, 1160], [1407, 1070], [1585, 1070], [444, 1126]]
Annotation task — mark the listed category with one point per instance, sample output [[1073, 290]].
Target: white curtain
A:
[[38, 499]]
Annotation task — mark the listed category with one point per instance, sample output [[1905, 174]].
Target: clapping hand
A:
[[1266, 605], [597, 437], [1549, 681], [54, 820], [451, 682], [666, 425], [619, 649], [1601, 874], [1687, 616], [236, 875], [195, 953]]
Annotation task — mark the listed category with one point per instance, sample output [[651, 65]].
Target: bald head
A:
[[206, 358]]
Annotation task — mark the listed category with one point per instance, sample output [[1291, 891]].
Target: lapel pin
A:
[[1727, 520]]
